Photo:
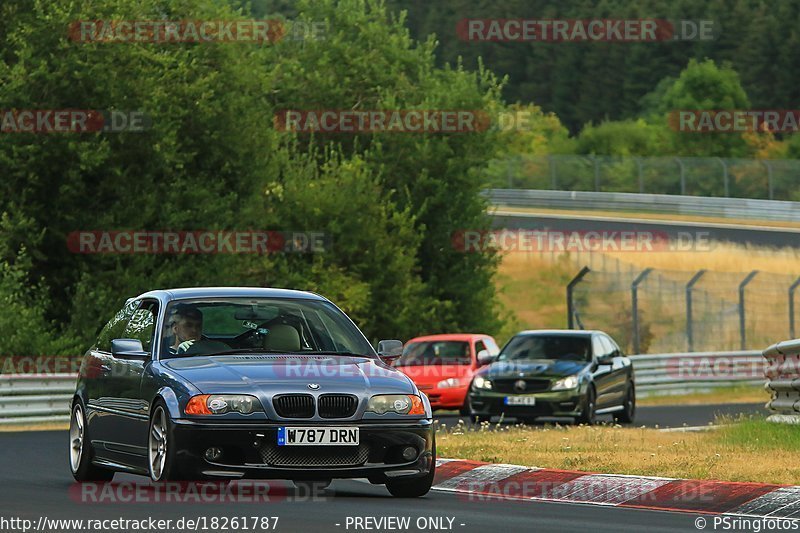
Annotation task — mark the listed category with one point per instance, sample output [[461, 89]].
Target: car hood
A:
[[271, 374], [549, 368]]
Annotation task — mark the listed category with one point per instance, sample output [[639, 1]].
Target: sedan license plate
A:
[[315, 436], [520, 400]]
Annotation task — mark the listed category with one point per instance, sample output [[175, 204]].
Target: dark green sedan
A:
[[556, 373]]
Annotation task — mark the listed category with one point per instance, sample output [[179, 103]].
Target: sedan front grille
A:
[[294, 405], [337, 405], [314, 456], [531, 385]]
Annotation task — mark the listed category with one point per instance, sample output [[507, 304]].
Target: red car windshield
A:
[[435, 353]]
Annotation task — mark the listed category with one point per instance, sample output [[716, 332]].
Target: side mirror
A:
[[389, 350], [484, 357], [128, 349], [607, 359]]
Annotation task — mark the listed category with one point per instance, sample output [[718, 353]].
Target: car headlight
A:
[[569, 382], [482, 383], [448, 383], [402, 404], [219, 404]]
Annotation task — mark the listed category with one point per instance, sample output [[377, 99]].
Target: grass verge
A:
[[722, 395], [745, 450]]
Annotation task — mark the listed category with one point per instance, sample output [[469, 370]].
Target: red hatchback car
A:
[[442, 365]]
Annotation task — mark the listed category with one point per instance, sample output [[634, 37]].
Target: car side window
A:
[[115, 327], [612, 346], [491, 346], [141, 325], [599, 348], [480, 346]]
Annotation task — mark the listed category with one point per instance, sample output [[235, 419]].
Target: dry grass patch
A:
[[747, 451], [721, 257]]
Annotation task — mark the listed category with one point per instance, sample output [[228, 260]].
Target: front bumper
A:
[[243, 447], [450, 398], [568, 403]]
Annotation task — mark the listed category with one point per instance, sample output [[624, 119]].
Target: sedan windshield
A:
[[435, 353], [266, 325], [573, 348]]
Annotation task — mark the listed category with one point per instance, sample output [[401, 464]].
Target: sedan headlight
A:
[[569, 382], [482, 383], [219, 404], [402, 404], [448, 383]]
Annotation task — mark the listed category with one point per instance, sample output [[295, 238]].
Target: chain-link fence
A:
[[664, 311], [773, 179]]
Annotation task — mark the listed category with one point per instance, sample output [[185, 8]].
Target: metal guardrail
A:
[[32, 399], [783, 381], [35, 398], [684, 373], [738, 208]]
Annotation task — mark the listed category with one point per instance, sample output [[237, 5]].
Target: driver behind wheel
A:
[[187, 327]]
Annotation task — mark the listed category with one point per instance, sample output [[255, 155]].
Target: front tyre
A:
[[588, 415], [80, 449], [414, 488], [161, 448], [628, 413]]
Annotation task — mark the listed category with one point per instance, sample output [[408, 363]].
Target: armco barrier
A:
[[783, 380], [682, 373], [35, 398], [31, 399], [737, 208]]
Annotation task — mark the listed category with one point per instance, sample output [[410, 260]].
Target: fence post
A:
[[792, 290], [596, 173], [769, 178], [570, 304], [689, 326], [742, 316], [635, 306], [683, 175], [725, 177], [641, 175]]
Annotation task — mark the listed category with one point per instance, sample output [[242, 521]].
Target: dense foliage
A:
[[213, 159]]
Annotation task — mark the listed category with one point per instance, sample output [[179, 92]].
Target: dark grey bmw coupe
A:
[[230, 383]]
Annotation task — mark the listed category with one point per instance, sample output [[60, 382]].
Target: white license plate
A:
[[520, 400], [315, 436]]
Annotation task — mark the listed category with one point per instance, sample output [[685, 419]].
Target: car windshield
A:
[[435, 353], [573, 348], [266, 325]]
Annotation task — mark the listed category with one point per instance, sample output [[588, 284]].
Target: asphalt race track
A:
[[36, 483]]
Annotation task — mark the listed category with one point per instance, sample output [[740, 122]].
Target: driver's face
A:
[[187, 329]]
